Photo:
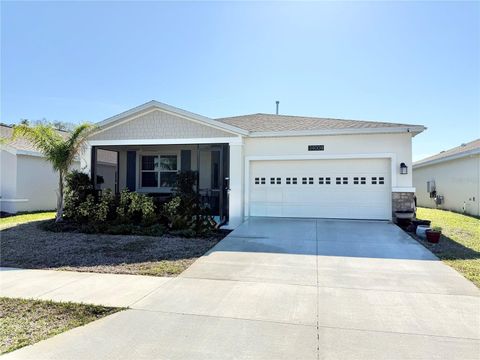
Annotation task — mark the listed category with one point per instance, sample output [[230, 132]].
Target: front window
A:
[[158, 171]]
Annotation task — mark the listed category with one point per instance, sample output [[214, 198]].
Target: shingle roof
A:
[[454, 152], [271, 122], [22, 144]]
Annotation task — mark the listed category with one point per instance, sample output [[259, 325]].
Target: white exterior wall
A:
[[28, 183], [37, 182], [456, 180], [397, 147], [8, 181], [237, 186]]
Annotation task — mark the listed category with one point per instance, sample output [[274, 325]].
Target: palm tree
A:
[[58, 150]]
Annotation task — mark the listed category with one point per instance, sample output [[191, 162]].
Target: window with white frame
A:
[[158, 171]]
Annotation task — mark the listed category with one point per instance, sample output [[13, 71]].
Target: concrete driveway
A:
[[293, 289]]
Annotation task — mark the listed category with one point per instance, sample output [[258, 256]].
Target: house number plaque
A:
[[316, 147]]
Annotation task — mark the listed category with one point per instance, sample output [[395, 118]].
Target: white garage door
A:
[[349, 189]]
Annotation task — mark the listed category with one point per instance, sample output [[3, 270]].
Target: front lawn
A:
[[24, 322], [28, 246], [14, 220], [459, 246]]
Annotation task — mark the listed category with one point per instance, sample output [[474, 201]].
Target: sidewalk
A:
[[81, 287]]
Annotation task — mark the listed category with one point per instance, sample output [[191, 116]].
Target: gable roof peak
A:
[[172, 109]]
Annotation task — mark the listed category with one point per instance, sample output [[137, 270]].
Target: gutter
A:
[[446, 158], [415, 130]]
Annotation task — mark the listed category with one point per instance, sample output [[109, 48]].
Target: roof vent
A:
[[442, 151], [278, 103], [463, 144]]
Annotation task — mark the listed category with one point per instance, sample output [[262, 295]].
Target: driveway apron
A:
[[293, 289]]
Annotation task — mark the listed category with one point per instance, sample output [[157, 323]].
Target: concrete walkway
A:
[[89, 288], [293, 289]]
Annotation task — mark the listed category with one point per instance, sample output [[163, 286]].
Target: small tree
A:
[[59, 151]]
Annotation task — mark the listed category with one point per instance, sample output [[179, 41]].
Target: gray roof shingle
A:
[[464, 148], [271, 122], [22, 144]]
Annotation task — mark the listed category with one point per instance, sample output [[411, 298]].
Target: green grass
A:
[[24, 322], [459, 246], [24, 218]]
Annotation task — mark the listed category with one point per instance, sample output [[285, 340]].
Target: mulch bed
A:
[[28, 246]]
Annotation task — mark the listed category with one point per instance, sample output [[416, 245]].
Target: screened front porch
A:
[[153, 170]]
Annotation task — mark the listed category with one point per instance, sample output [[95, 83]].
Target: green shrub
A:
[[186, 233], [185, 212], [136, 208], [91, 211], [104, 209], [77, 188], [120, 229], [132, 213], [85, 211], [130, 229], [185, 183], [153, 230], [177, 216], [63, 226]]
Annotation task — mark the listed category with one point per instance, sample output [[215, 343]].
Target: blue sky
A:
[[391, 61]]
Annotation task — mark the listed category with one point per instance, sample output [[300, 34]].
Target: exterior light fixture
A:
[[403, 169]]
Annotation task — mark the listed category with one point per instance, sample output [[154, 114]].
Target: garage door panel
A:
[[275, 195], [258, 196], [274, 210], [357, 189]]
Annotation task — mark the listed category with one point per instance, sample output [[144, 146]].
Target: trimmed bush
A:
[[134, 213], [77, 188], [185, 211], [136, 208]]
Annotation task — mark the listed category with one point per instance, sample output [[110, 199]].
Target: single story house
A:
[[450, 180], [27, 181], [262, 164]]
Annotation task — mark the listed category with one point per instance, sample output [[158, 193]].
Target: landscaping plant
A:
[[77, 187], [58, 150], [186, 214], [133, 213], [136, 208]]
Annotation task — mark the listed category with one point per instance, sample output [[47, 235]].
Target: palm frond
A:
[[43, 137], [77, 140]]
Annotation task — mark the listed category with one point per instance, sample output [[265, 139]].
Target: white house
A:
[[262, 164], [27, 180], [450, 179]]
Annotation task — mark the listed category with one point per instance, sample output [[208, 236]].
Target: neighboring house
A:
[[450, 180], [27, 180], [261, 164]]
